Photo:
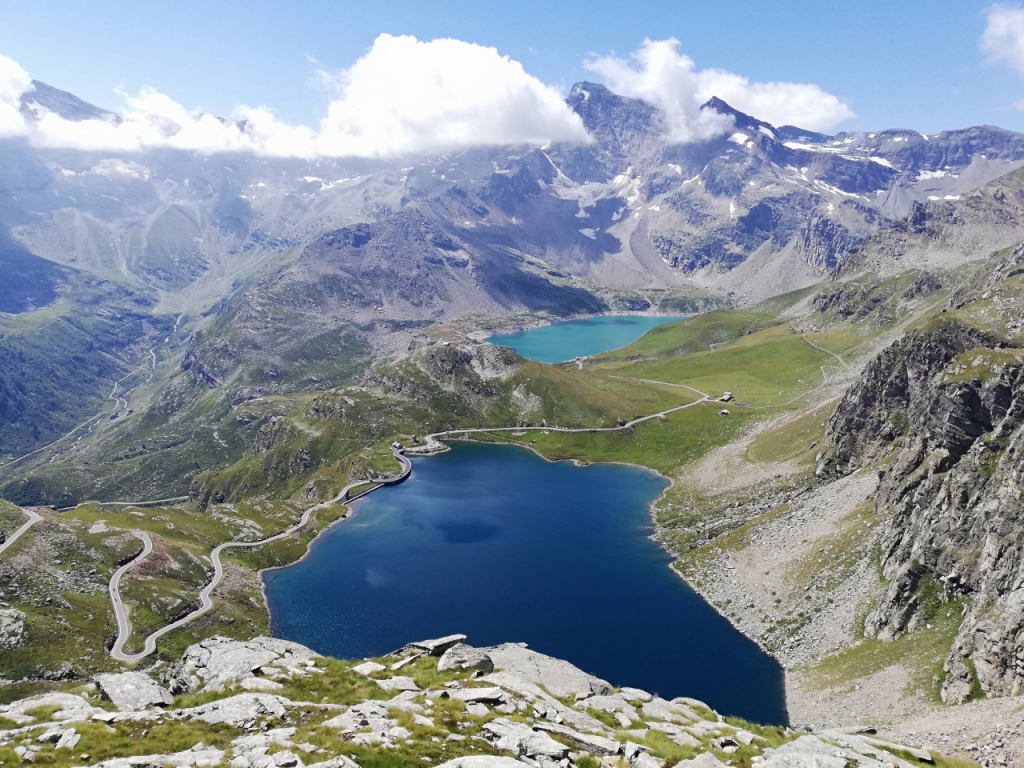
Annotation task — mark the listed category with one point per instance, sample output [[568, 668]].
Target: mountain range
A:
[[280, 275]]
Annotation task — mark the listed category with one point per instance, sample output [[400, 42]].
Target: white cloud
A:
[[150, 120], [402, 97], [804, 105], [14, 81], [660, 74], [1003, 39], [408, 96]]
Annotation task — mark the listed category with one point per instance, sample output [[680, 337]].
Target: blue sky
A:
[[910, 64]]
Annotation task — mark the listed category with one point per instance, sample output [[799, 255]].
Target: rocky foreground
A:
[[268, 703]]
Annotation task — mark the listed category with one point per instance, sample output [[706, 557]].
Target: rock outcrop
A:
[[462, 656], [560, 678], [133, 690], [943, 415], [12, 628], [213, 663], [501, 720]]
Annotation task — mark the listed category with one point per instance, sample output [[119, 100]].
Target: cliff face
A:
[[943, 414]]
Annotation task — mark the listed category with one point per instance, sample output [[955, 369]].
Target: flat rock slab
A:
[[368, 668], [597, 744], [236, 710], [708, 760], [132, 691], [438, 646], [398, 684], [635, 694], [336, 762], [559, 677], [666, 710], [483, 761], [188, 758]]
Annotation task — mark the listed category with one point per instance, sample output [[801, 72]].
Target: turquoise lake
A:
[[497, 543], [576, 338]]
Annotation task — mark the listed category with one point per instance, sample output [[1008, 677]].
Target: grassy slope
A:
[[319, 442]]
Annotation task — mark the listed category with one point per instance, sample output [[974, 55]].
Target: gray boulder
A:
[[12, 628], [543, 703], [336, 762], [209, 665], [132, 691], [520, 739], [398, 684], [559, 677], [644, 760], [708, 760], [236, 710], [462, 656]]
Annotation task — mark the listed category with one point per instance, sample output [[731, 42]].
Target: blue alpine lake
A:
[[497, 543], [577, 338]]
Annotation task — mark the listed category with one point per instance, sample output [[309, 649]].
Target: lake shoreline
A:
[[542, 354], [651, 533], [519, 324], [657, 529]]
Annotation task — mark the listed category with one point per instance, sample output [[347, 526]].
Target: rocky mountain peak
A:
[[61, 103], [740, 119]]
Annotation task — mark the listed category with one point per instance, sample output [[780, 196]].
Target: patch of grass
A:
[[103, 742], [766, 368], [798, 440], [922, 651], [981, 364], [694, 334], [664, 444]]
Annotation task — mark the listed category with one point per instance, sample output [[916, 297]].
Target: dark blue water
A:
[[575, 338], [504, 546]]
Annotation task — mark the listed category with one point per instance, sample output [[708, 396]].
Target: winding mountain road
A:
[[433, 444], [124, 627], [33, 518]]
